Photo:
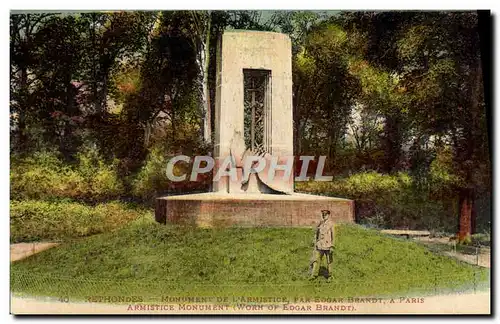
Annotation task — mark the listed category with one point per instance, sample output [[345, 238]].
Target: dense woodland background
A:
[[395, 100]]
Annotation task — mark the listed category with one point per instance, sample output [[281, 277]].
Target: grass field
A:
[[148, 259]]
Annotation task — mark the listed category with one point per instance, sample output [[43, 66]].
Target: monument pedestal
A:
[[215, 209]]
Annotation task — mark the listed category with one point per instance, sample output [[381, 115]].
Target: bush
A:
[[359, 185], [481, 239], [152, 177], [44, 176], [33, 220], [389, 201], [152, 181], [102, 178], [91, 179]]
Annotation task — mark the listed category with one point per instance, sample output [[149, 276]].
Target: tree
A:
[[111, 38], [324, 90], [380, 70], [167, 79], [444, 74], [23, 28], [203, 28], [202, 21]]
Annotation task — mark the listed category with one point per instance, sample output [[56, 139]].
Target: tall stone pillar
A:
[[269, 54]]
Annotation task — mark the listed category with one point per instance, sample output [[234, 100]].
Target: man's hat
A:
[[325, 211]]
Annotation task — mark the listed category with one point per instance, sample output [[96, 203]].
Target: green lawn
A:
[[148, 259]]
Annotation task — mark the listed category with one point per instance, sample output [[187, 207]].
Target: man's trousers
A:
[[318, 258]]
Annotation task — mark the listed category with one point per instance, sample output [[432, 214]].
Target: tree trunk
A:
[[147, 133], [173, 122], [392, 142], [296, 119], [207, 129], [21, 117], [297, 138], [485, 24], [203, 63], [104, 95], [473, 214], [332, 149], [22, 138], [467, 220], [466, 204]]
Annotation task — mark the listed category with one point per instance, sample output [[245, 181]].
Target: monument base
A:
[[251, 210]]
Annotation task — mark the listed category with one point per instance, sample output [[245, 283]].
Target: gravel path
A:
[[20, 251]]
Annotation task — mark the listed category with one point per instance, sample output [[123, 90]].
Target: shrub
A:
[[33, 220], [481, 239], [152, 181], [102, 178], [152, 177], [389, 201], [44, 176], [359, 185]]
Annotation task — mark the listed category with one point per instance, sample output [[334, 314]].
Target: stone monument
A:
[[253, 120]]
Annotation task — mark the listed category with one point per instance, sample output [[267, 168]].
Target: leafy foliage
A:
[[393, 201], [45, 176]]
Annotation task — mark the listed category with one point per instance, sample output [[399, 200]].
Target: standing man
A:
[[324, 240]]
